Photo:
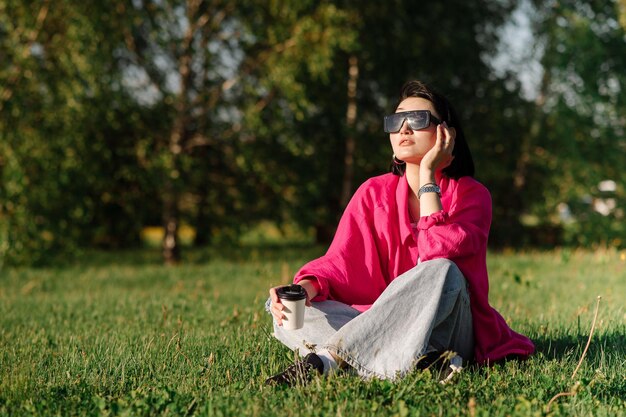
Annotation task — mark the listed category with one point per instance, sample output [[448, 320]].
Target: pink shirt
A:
[[374, 243]]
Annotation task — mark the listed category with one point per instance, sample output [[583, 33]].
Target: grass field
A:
[[119, 334]]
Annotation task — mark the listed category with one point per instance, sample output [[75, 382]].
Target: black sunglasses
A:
[[418, 119]]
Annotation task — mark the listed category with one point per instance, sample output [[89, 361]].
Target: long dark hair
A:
[[462, 165]]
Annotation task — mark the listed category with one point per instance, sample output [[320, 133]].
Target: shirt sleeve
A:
[[461, 230], [349, 271]]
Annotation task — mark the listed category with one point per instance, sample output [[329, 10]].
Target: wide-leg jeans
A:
[[425, 309]]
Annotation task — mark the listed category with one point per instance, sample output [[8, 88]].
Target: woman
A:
[[405, 277]]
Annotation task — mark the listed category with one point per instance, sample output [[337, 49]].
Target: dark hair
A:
[[462, 165]]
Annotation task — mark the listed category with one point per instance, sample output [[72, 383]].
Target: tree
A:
[[62, 141], [582, 140], [330, 152], [292, 51], [220, 113], [215, 52]]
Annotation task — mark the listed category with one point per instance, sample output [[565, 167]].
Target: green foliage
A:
[[582, 141], [119, 334], [222, 114], [69, 177], [304, 125]]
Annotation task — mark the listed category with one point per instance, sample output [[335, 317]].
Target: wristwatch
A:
[[429, 188]]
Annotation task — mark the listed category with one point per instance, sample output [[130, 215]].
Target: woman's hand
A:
[[276, 307], [440, 155]]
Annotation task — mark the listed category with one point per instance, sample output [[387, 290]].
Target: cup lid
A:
[[292, 292]]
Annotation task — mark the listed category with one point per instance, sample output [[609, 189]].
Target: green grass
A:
[[119, 334]]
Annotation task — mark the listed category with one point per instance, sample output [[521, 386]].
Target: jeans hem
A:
[[347, 358], [364, 372]]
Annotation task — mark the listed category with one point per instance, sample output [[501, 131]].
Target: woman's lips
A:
[[406, 142]]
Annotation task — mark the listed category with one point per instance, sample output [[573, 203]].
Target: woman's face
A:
[[411, 145]]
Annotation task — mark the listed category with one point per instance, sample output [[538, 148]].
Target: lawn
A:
[[119, 334]]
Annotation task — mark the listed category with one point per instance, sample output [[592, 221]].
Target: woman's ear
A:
[[453, 132]]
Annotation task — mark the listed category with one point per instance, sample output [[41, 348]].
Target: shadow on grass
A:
[[606, 357], [604, 362], [611, 343]]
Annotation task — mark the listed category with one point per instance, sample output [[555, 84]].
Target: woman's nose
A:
[[405, 126]]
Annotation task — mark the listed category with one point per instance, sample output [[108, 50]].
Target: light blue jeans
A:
[[425, 309]]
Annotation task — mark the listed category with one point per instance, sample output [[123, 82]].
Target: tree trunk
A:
[[178, 137], [351, 112], [171, 248]]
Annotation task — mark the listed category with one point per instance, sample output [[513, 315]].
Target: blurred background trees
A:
[[582, 143], [219, 114]]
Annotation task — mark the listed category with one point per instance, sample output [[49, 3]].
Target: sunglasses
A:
[[418, 119]]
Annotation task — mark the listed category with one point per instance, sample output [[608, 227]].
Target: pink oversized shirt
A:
[[374, 243]]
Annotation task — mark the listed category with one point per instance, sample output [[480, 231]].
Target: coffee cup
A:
[[293, 297]]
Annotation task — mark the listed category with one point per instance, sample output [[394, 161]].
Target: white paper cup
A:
[[293, 297]]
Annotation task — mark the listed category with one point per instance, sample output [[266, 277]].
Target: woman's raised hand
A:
[[440, 155]]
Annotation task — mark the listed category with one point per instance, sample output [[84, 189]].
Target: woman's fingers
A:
[[278, 315], [441, 135], [452, 132], [449, 135], [445, 138], [440, 156], [276, 307], [277, 312], [274, 295]]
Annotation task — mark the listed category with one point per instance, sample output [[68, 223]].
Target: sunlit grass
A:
[[119, 334]]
